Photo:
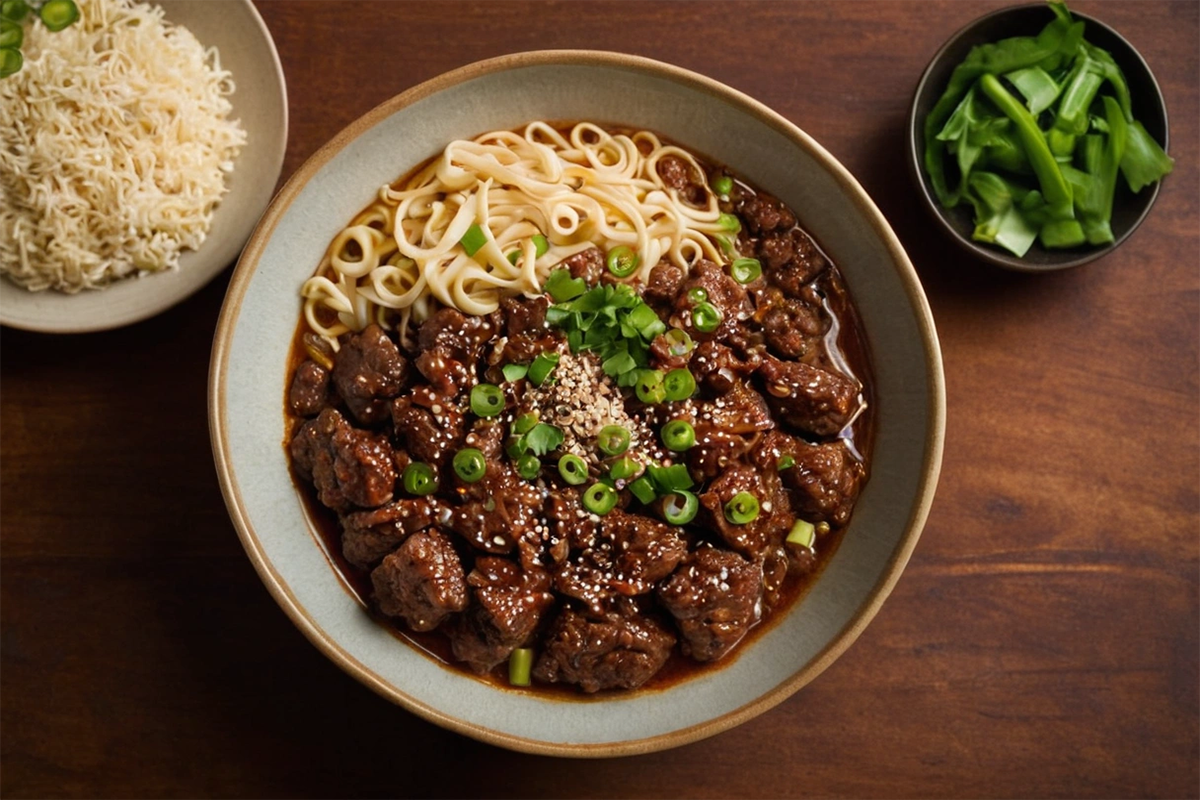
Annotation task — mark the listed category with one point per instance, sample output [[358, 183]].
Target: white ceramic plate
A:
[[249, 372], [260, 102]]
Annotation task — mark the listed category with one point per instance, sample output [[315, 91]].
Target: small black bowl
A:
[[1129, 209]]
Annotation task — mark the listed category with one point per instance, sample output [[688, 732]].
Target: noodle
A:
[[581, 188]]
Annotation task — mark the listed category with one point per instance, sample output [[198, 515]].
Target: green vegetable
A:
[[514, 372], [469, 464], [487, 400], [14, 10], [573, 469], [613, 440], [541, 367], [742, 509], [419, 479], [11, 34], [10, 61], [706, 317], [697, 294], [998, 218], [669, 479], [679, 508], [562, 287], [722, 185], [473, 239], [745, 270], [1036, 86], [541, 245], [785, 462], [541, 439], [728, 222], [1144, 162], [599, 498], [643, 489], [524, 423], [649, 387], [679, 384], [679, 342], [802, 533], [528, 467], [520, 666], [678, 435], [58, 14], [624, 469], [622, 261]]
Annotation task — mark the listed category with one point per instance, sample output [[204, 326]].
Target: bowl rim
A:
[[164, 296], [931, 457], [991, 255]]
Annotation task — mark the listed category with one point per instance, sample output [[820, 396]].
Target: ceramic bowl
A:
[[261, 313], [1129, 209], [260, 102]]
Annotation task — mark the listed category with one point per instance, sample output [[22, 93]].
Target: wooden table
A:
[[1042, 642]]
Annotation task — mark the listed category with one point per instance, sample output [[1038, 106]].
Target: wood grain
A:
[[1042, 643]]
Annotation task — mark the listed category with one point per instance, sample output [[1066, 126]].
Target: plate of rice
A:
[[138, 148]]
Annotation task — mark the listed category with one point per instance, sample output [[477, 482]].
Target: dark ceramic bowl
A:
[[1129, 209]]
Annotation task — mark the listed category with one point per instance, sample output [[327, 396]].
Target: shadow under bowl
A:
[[1129, 209]]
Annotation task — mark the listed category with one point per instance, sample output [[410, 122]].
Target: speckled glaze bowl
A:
[[249, 373], [235, 28]]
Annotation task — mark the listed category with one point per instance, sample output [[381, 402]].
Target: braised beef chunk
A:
[[507, 603], [763, 213], [792, 327], [527, 334], [498, 510], [568, 520], [722, 291], [428, 424], [487, 436], [449, 342], [719, 368], [368, 536], [681, 176], [525, 315], [824, 480], [368, 373], [348, 467], [716, 597], [617, 651], [809, 398], [791, 260], [725, 429], [664, 283], [309, 392], [667, 355], [422, 581], [774, 512], [628, 554], [587, 264]]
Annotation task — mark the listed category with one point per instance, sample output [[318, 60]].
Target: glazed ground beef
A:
[[525, 527]]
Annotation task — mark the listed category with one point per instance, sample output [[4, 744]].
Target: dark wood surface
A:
[[1042, 642]]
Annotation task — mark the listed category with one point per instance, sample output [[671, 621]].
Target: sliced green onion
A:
[[726, 243], [513, 256], [649, 387], [541, 367], [520, 666], [10, 61], [529, 466], [678, 435], [14, 10], [514, 372], [785, 462], [706, 317], [599, 498], [643, 489], [11, 34], [802, 533], [469, 464], [697, 294], [58, 14], [487, 400], [679, 341], [623, 469], [613, 440], [573, 469], [472, 240], [679, 508], [670, 479], [679, 384], [524, 423], [419, 479], [540, 245], [515, 447], [743, 508], [722, 185], [728, 222], [622, 261], [745, 270]]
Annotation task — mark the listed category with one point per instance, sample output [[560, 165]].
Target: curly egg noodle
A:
[[580, 188]]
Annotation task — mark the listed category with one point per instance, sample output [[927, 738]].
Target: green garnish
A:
[[419, 479], [524, 423], [722, 185], [529, 466], [643, 489], [706, 317], [14, 10], [697, 294], [679, 384], [541, 439], [679, 342], [669, 479], [562, 287], [613, 440], [10, 61], [623, 469], [487, 400], [573, 469], [58, 14], [54, 14], [469, 464], [785, 462], [599, 498], [541, 245], [742, 509], [678, 435], [745, 270], [679, 508], [1041, 163], [803, 533], [473, 239], [649, 387], [622, 261], [728, 222], [542, 366], [11, 34], [514, 372], [520, 666]]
